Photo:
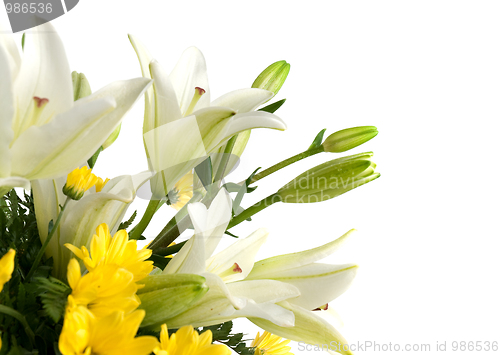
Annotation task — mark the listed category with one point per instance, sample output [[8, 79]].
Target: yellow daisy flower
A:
[[187, 341], [182, 192], [117, 251], [85, 334], [270, 344], [103, 290], [6, 267], [79, 181]]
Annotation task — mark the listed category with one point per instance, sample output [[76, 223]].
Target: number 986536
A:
[[31, 8]]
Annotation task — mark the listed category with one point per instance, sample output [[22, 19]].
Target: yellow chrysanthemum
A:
[[270, 344], [104, 290], [187, 341], [85, 334], [6, 267], [182, 192], [117, 251], [79, 181], [100, 184]]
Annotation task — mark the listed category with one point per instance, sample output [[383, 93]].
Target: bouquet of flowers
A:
[[72, 278]]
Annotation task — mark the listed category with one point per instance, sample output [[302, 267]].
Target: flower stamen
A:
[[234, 269], [198, 93]]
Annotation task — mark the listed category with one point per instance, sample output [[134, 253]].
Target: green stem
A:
[[137, 231], [286, 162], [250, 211], [47, 241], [219, 175], [15, 314]]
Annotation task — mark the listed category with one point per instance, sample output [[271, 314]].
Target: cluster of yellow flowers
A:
[[102, 316]]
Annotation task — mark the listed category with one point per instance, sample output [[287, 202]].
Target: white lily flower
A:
[[81, 218], [318, 283], [43, 133], [229, 295], [182, 126], [265, 291]]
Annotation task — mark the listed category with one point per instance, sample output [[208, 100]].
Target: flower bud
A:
[[112, 138], [79, 181], [165, 296], [349, 138], [273, 77], [329, 179], [81, 86]]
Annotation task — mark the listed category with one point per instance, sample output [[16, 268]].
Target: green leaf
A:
[[222, 334], [272, 108], [159, 261], [170, 250], [318, 140], [126, 224], [21, 298], [93, 158], [205, 172], [231, 234], [54, 295]]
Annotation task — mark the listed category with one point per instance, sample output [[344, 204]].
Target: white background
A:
[[426, 73]]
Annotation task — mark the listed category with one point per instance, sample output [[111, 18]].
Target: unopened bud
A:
[[165, 296], [273, 77], [349, 138], [329, 179], [81, 86], [112, 138]]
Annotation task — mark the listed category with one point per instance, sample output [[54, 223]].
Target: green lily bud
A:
[[165, 296], [81, 86], [112, 138], [273, 77], [349, 138], [329, 179]]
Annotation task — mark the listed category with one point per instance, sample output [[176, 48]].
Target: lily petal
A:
[[8, 183], [72, 137], [6, 113], [172, 155], [190, 259], [308, 328], [190, 72], [45, 74], [318, 283], [269, 312], [219, 215], [144, 59], [243, 100], [268, 267], [47, 198], [167, 107], [242, 252], [198, 214], [9, 46], [262, 291], [244, 121]]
